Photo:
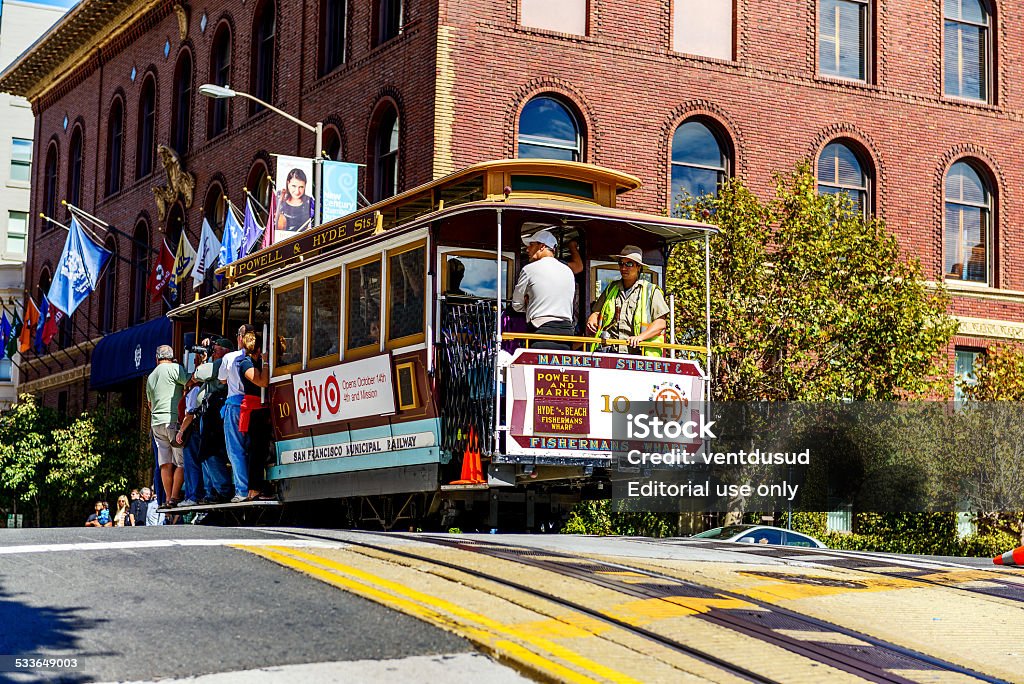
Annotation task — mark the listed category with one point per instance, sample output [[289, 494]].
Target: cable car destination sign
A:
[[308, 243], [563, 402]]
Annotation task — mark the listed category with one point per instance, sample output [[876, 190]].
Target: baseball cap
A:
[[545, 237], [222, 342]]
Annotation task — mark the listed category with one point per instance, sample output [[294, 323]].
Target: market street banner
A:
[[294, 192], [339, 189]]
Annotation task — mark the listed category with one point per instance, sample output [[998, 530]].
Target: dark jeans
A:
[[565, 328]]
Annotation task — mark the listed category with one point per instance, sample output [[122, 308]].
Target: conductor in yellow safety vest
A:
[[630, 308]]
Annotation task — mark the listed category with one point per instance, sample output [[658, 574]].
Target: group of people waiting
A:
[[142, 509], [630, 308], [211, 428]]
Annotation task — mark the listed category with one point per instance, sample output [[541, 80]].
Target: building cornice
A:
[[56, 380], [79, 39]]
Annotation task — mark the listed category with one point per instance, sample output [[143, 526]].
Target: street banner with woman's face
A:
[[293, 187]]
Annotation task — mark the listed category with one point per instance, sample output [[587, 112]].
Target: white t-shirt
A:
[[229, 373], [545, 289]]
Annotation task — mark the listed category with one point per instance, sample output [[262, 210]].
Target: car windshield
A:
[[727, 532]]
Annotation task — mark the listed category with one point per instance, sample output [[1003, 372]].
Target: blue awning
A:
[[129, 353]]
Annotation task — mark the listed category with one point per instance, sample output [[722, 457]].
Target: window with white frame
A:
[[841, 172], [21, 159], [548, 129], [17, 231], [966, 49], [843, 38], [968, 210]]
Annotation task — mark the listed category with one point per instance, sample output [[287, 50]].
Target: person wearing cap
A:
[[631, 308], [545, 291], [164, 388]]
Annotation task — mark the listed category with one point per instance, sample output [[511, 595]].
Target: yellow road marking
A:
[[485, 631]]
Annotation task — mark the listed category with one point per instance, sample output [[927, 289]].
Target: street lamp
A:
[[219, 92]]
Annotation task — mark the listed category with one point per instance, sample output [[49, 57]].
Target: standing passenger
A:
[[545, 291], [631, 308], [163, 392], [236, 441], [253, 420]]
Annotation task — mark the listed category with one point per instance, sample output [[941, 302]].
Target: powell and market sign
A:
[[305, 244]]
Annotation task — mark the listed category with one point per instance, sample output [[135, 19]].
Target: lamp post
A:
[[219, 92]]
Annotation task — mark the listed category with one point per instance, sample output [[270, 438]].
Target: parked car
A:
[[760, 534]]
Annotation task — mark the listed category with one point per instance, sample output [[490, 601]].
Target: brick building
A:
[[916, 109]]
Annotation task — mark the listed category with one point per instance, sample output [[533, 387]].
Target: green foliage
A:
[[809, 300], [998, 375], [597, 518], [60, 464]]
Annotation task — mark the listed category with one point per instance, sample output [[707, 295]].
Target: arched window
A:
[[261, 67], [140, 273], [74, 194], [387, 18], [108, 290], [115, 145], [843, 38], [50, 186], [385, 156], [145, 147], [549, 130], [967, 52], [258, 184], [841, 170], [181, 118], [333, 25], [968, 221], [332, 143], [220, 74], [215, 209], [699, 161]]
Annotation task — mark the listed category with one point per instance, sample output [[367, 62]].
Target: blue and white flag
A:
[[253, 231], [207, 253], [231, 245], [78, 270]]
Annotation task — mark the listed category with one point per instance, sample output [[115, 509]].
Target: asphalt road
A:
[[177, 602]]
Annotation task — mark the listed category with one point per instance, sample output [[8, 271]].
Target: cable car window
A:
[[325, 307], [605, 274], [363, 323], [260, 307], [288, 322], [472, 274], [406, 296]]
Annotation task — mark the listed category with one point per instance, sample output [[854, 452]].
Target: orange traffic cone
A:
[[472, 471], [1015, 557]]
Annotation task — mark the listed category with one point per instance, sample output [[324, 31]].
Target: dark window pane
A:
[[528, 151], [548, 130], [694, 143], [687, 180], [364, 289], [288, 327], [325, 307], [406, 293]]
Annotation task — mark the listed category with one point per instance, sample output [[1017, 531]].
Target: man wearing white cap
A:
[[545, 291], [631, 308]]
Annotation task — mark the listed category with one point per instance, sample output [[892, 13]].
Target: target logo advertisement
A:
[[356, 389]]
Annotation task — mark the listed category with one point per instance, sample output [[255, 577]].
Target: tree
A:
[[810, 300], [26, 446]]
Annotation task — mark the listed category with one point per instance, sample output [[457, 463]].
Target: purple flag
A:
[[251, 229]]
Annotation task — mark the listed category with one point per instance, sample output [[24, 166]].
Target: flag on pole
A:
[[28, 328], [184, 260], [231, 246], [44, 314], [5, 334], [268, 234], [251, 230], [78, 270], [12, 341], [207, 253], [163, 271], [51, 324]]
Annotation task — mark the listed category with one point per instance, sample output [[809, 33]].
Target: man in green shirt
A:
[[164, 388]]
